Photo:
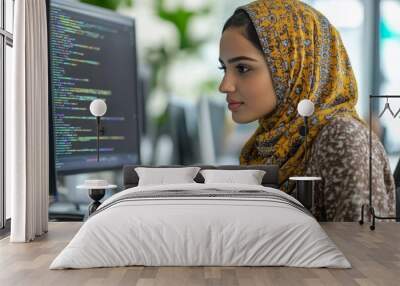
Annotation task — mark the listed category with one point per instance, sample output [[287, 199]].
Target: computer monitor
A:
[[92, 55], [144, 89], [174, 141], [211, 129], [217, 117], [183, 152]]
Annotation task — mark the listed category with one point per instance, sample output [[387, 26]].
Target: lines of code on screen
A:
[[92, 57]]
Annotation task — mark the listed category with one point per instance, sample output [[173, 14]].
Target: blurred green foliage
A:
[[109, 4], [159, 57], [181, 19]]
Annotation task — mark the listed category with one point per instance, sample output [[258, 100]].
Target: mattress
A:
[[201, 225]]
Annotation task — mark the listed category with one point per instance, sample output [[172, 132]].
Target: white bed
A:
[[252, 225]]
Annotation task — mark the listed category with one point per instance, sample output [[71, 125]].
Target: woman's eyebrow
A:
[[236, 59]]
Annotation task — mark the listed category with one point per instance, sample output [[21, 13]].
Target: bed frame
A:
[[270, 179]]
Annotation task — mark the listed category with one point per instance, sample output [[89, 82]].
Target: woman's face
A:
[[247, 81]]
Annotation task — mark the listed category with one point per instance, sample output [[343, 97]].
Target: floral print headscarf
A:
[[307, 60]]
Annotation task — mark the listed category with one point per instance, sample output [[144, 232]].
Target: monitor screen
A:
[[91, 55]]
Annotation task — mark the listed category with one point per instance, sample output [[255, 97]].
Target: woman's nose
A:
[[227, 85]]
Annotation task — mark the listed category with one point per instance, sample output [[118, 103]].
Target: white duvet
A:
[[200, 231]]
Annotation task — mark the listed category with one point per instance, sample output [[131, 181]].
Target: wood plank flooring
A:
[[374, 255]]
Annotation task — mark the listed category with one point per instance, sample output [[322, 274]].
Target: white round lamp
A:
[[305, 108], [98, 107]]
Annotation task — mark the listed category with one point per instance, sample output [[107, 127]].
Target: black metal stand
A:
[[98, 137], [304, 132], [369, 205], [305, 190], [305, 193], [96, 195]]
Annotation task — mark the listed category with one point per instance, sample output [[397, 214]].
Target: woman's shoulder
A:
[[344, 125], [346, 136], [343, 130]]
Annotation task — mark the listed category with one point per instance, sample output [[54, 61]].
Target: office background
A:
[[186, 117]]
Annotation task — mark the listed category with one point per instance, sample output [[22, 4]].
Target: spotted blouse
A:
[[340, 155]]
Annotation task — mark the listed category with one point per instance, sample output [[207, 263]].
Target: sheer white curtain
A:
[[27, 124]]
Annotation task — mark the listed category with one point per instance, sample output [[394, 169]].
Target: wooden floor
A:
[[374, 255]]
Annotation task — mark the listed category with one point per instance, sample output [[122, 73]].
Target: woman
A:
[[274, 54]]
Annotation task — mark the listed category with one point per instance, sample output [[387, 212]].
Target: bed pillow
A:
[[163, 176], [248, 177]]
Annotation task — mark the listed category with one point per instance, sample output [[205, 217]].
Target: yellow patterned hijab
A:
[[307, 60]]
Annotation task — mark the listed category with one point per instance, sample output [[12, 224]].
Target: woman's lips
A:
[[234, 106]]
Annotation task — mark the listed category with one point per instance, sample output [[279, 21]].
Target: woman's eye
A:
[[222, 68], [242, 69]]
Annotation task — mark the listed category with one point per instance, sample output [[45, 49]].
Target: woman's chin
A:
[[241, 119]]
